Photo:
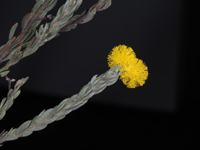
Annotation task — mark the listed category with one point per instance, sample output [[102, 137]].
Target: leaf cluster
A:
[[8, 101], [33, 36], [39, 122], [30, 39]]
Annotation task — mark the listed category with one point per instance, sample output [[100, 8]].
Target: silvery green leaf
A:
[[39, 127], [78, 105], [3, 102], [2, 114], [51, 5], [27, 133], [9, 93], [30, 35], [17, 94], [23, 127], [90, 15], [37, 35], [37, 5], [26, 19], [104, 5], [12, 30], [93, 79], [9, 102], [3, 74], [58, 107]]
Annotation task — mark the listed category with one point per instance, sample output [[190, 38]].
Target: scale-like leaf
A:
[[17, 94], [103, 4], [12, 30], [3, 102], [3, 74], [23, 127], [90, 14], [27, 133], [2, 114], [25, 21], [51, 5], [37, 5], [9, 102]]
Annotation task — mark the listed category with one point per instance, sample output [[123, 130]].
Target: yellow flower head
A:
[[134, 71]]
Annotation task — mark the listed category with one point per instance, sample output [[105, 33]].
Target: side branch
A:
[[95, 86], [86, 15], [8, 101]]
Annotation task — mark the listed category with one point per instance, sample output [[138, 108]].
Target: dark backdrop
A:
[[64, 65], [158, 31]]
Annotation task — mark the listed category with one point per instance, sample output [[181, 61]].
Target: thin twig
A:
[[50, 17], [9, 82]]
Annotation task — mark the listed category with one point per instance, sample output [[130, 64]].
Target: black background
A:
[[161, 112]]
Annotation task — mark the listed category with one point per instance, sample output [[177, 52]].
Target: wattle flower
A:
[[134, 71]]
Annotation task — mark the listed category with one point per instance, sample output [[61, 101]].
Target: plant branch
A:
[[86, 15], [8, 101], [26, 43], [28, 27], [95, 86]]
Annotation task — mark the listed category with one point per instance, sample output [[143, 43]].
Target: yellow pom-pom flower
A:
[[134, 71]]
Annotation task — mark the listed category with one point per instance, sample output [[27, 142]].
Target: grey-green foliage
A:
[[33, 36], [8, 101], [30, 39], [95, 86]]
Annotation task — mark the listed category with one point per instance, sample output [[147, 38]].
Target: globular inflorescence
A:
[[134, 72]]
